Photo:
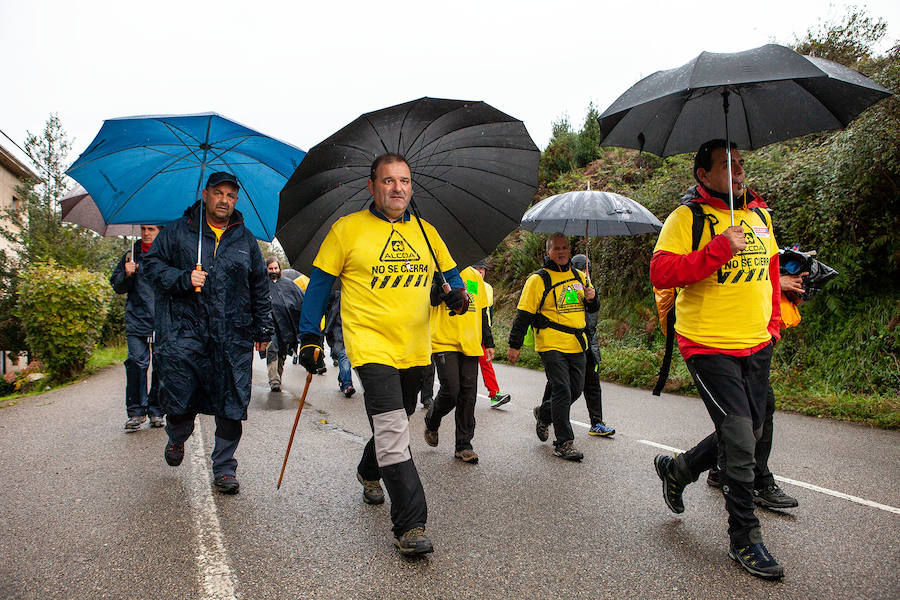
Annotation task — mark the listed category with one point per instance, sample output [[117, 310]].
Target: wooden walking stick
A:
[[296, 420]]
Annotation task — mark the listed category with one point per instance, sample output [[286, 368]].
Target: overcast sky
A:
[[301, 70]]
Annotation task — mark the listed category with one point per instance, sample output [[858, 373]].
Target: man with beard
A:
[[287, 299]]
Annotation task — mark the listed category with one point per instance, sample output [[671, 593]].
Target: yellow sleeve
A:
[[531, 294], [331, 254], [675, 236]]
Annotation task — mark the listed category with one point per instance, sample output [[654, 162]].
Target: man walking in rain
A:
[[725, 320], [130, 278], [287, 299], [386, 270], [554, 302], [206, 338]]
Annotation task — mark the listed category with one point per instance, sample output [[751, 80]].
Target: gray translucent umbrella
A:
[[78, 207], [590, 213]]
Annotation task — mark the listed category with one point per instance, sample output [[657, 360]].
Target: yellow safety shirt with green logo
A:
[[731, 308], [563, 305], [461, 333], [386, 271]]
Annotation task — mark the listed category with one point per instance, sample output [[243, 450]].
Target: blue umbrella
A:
[[148, 169]]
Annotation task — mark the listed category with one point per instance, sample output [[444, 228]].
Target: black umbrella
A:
[[755, 98], [474, 172]]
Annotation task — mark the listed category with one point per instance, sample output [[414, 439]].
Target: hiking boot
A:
[[567, 451], [672, 490], [773, 496], [756, 560], [349, 391], [275, 388], [714, 478], [540, 428], [372, 492], [427, 402], [414, 541], [467, 456], [134, 423], [601, 429], [157, 421], [499, 399], [174, 454], [226, 484], [431, 437]]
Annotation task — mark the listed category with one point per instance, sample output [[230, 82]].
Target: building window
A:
[[16, 203]]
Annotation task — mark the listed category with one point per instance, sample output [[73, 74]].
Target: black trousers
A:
[[565, 376], [593, 396], [458, 375], [228, 435], [390, 397], [735, 391]]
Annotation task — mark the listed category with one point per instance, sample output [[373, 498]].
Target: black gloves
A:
[[457, 301], [309, 343], [437, 291]]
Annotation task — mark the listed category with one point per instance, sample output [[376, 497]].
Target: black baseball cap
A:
[[222, 177], [480, 264]]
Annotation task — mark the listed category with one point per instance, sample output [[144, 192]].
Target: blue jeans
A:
[[345, 377], [138, 401]]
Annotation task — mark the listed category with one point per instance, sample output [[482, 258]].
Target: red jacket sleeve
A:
[[774, 326], [668, 270]]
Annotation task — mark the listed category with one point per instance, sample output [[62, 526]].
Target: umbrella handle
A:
[[197, 288]]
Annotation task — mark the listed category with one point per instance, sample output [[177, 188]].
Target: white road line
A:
[[216, 578], [802, 484]]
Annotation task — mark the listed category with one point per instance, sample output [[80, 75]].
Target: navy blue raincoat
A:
[[204, 342], [139, 305]]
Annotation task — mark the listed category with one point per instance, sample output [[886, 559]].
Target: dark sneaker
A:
[[349, 391], [134, 423], [601, 429], [157, 422], [567, 451], [467, 456], [275, 388], [499, 399], [414, 541], [427, 402], [226, 484], [756, 560], [372, 492], [714, 478], [174, 454], [540, 428], [431, 437], [671, 488], [773, 496]]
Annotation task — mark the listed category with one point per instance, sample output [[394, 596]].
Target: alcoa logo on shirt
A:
[[752, 263], [399, 266]]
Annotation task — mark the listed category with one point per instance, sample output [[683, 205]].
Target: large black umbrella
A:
[[474, 172], [753, 98]]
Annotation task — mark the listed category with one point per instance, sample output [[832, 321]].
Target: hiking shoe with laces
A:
[[773, 496], [414, 541], [671, 488], [174, 454], [499, 399], [349, 391], [157, 421], [756, 560], [714, 478], [226, 484], [431, 437], [601, 429], [467, 456], [275, 388], [372, 492], [541, 428], [134, 423], [567, 451]]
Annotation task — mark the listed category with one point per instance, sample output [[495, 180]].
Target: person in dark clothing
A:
[[593, 397], [334, 335], [205, 339], [728, 354], [287, 300], [554, 302], [129, 278]]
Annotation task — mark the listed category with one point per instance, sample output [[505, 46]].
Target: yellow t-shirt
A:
[[731, 308], [461, 333], [218, 233], [490, 301], [302, 281], [563, 305], [386, 271]]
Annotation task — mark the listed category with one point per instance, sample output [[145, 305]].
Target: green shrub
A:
[[63, 310]]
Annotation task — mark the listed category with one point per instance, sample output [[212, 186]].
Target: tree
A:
[[849, 43], [559, 156], [587, 146]]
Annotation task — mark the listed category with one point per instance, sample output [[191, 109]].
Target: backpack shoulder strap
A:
[[700, 216]]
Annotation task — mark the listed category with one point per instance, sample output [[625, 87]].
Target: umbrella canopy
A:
[[769, 94], [590, 213], [474, 172], [78, 207], [148, 169]]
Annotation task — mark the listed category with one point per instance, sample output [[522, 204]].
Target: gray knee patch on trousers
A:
[[739, 441], [391, 432]]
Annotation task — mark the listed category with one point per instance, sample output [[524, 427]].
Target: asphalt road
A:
[[92, 512]]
